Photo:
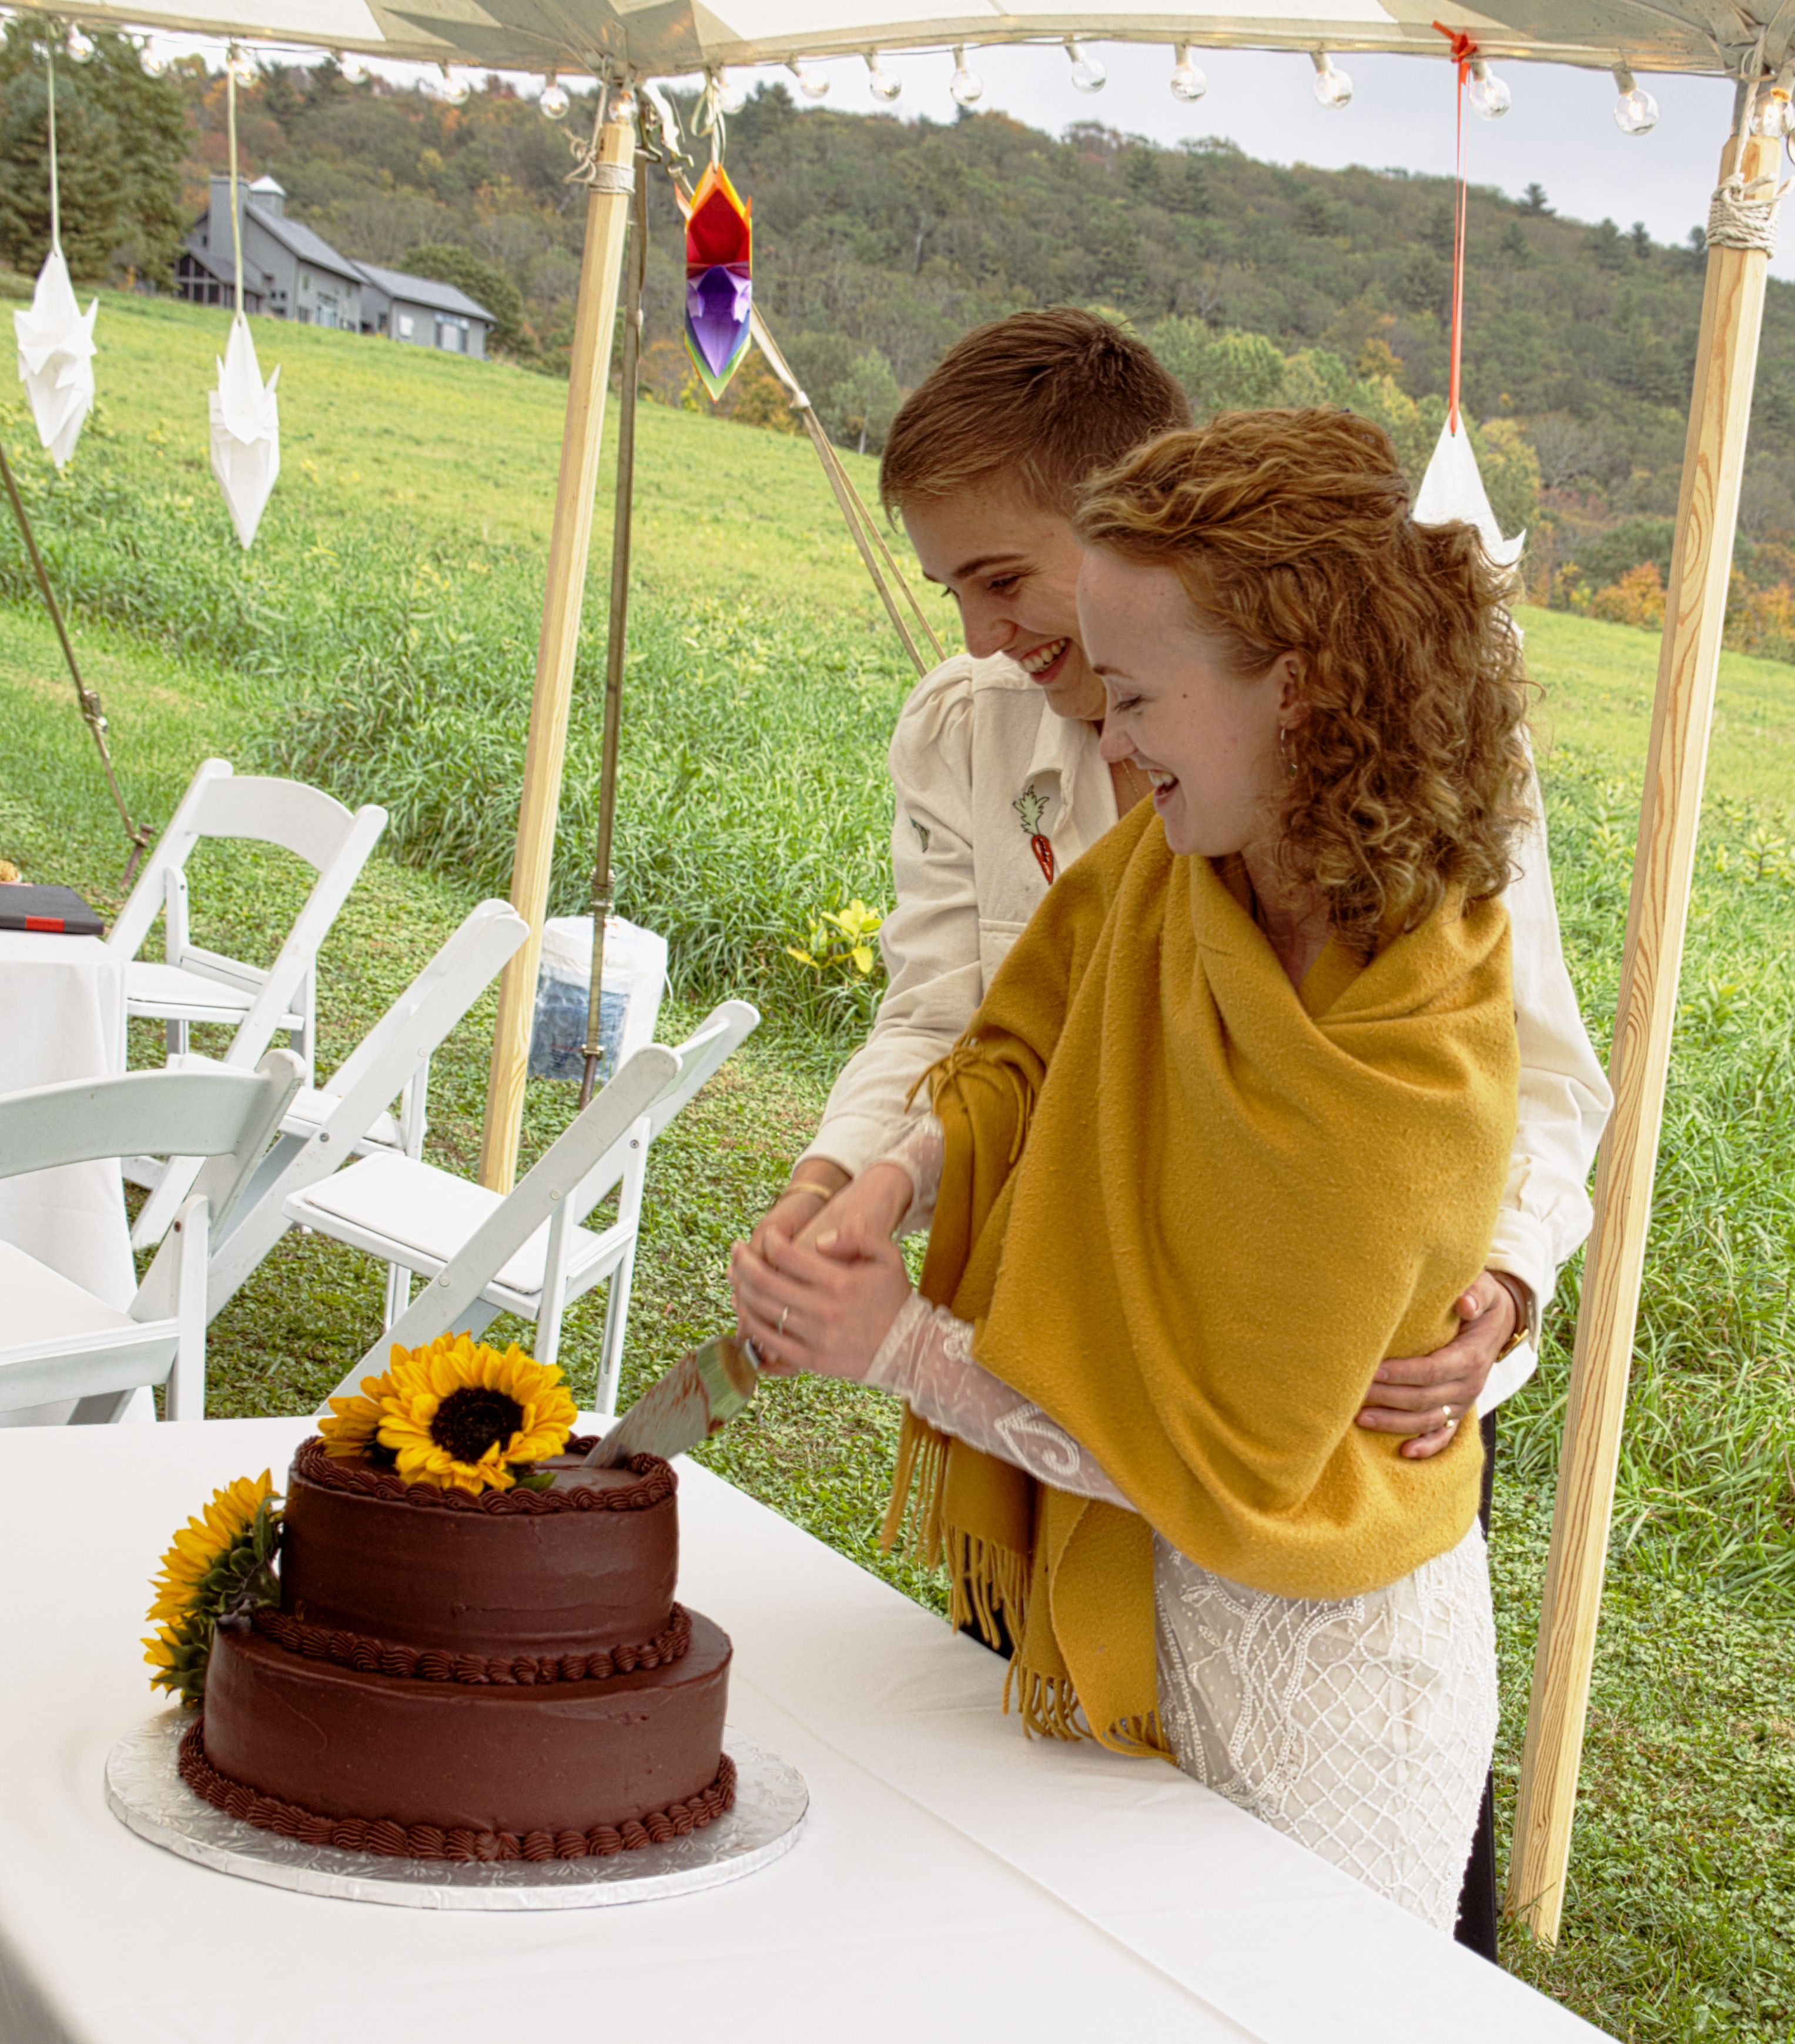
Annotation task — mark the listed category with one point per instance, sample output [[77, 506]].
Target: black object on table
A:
[[57, 910]]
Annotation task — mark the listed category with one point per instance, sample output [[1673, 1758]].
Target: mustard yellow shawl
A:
[[1190, 1209]]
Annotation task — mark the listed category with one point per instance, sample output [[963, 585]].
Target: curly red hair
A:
[[1291, 532]]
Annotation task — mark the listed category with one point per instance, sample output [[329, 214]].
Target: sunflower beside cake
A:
[[471, 1650]]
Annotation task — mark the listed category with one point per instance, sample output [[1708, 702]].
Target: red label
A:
[[54, 923]]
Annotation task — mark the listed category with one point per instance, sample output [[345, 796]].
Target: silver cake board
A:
[[145, 1791]]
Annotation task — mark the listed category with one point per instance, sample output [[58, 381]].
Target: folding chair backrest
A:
[[445, 1303], [375, 1073], [227, 1116], [279, 990], [300, 819], [430, 1006], [716, 1038], [169, 854]]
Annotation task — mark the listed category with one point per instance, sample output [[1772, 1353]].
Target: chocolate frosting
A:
[[430, 1841], [344, 1744], [503, 1577], [356, 1650]]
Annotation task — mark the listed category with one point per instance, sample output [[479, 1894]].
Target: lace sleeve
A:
[[918, 1153], [926, 1357]]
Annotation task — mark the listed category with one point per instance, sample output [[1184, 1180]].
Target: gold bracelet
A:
[[1522, 1317], [824, 1192]]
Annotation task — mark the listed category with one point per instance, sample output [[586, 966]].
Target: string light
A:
[[881, 83], [622, 106], [1635, 111], [731, 97], [966, 86], [240, 64], [814, 84], [1333, 88], [154, 63], [1774, 116], [351, 66], [452, 91], [1188, 84], [554, 102], [80, 46], [1490, 97], [1088, 73]]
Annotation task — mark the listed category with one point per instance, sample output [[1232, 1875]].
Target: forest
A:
[[878, 240]]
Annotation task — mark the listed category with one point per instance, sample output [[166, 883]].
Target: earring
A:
[[1284, 752]]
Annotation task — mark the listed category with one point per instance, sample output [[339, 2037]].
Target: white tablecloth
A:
[[954, 1881], [62, 1017]]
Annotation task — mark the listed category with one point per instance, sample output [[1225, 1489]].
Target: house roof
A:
[[430, 291], [309, 248], [220, 267]]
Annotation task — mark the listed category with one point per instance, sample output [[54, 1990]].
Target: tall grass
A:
[[395, 667], [398, 668]]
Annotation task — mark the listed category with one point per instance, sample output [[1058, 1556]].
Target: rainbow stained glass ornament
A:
[[719, 291]]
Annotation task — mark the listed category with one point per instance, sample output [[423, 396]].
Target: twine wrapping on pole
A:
[[1735, 220]]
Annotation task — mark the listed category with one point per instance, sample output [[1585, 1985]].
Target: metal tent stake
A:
[[612, 182], [616, 641], [1708, 510]]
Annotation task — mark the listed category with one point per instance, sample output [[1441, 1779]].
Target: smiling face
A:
[[1012, 570], [1206, 738]]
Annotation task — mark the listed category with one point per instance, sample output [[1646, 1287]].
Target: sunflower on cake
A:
[[471, 1648]]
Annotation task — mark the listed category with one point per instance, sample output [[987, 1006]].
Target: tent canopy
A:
[[669, 38]]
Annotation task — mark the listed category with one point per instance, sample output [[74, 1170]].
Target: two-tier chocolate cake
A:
[[448, 1675]]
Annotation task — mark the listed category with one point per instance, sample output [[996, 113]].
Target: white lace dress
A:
[[1362, 1726]]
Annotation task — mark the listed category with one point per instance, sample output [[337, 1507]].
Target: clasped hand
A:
[[825, 1300]]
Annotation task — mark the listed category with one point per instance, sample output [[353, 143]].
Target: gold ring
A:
[[1446, 1414], [784, 1316]]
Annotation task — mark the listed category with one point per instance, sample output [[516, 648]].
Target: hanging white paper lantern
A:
[[56, 340], [246, 432]]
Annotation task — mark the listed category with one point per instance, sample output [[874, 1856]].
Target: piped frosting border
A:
[[657, 1483]]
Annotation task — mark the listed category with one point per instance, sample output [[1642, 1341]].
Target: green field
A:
[[382, 642]]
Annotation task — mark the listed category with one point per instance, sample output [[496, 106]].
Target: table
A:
[[954, 1881], [62, 1017]]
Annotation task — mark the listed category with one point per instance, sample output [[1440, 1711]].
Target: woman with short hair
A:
[[1233, 1122]]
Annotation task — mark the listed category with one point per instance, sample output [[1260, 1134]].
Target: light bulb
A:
[[1088, 74], [1490, 97], [814, 84], [966, 86], [453, 90], [1333, 88], [622, 106], [1187, 83], [241, 66], [732, 97], [1773, 116], [80, 46], [1635, 111], [352, 69], [881, 83], [554, 102], [155, 65]]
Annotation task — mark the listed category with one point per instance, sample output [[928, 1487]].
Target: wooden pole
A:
[[1726, 361], [607, 211]]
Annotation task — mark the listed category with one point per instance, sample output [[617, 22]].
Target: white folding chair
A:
[[190, 984], [429, 1221], [325, 1126], [57, 1340]]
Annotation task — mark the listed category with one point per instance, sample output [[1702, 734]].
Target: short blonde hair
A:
[[1046, 398], [1291, 532]]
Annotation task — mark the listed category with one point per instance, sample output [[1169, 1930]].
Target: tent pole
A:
[[608, 212], [617, 628], [1719, 411]]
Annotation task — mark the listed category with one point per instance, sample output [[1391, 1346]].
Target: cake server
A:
[[703, 1392]]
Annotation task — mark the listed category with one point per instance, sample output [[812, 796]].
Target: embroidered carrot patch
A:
[[1031, 807]]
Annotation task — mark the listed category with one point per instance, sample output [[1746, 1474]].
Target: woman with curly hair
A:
[[1249, 1074]]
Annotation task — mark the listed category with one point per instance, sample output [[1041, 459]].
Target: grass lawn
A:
[[1679, 1922]]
